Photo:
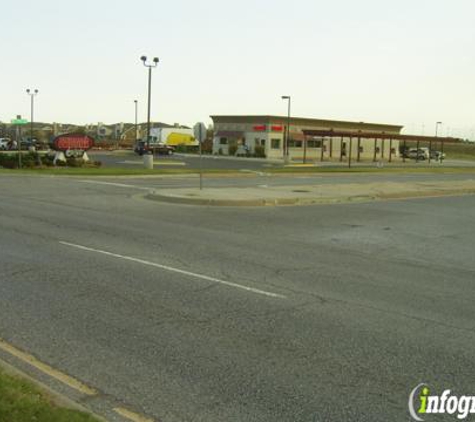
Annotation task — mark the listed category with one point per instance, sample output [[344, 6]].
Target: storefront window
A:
[[295, 144], [275, 143], [314, 143]]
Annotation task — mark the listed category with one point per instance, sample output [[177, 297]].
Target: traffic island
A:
[[311, 194]]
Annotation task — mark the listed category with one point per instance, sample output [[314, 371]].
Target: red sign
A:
[[73, 141], [276, 128], [260, 128]]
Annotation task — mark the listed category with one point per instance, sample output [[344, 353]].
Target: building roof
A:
[[362, 134], [303, 121]]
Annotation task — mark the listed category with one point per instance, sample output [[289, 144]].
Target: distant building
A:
[[267, 133]]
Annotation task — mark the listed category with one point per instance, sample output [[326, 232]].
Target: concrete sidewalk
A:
[[311, 194]]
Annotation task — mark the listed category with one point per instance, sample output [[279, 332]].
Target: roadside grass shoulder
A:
[[372, 170], [21, 401], [116, 171]]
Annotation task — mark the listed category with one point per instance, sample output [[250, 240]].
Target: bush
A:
[[75, 162], [48, 160], [30, 160], [9, 161]]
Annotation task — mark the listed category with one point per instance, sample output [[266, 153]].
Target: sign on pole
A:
[[199, 131], [19, 121]]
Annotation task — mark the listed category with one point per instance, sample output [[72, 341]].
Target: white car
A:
[[4, 143]]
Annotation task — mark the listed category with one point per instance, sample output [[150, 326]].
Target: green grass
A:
[[112, 171], [384, 170], [21, 401], [460, 151], [108, 171]]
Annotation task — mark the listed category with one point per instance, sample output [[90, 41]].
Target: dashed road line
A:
[[176, 270], [119, 185]]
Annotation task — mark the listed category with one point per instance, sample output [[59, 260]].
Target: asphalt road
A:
[[262, 179], [181, 313]]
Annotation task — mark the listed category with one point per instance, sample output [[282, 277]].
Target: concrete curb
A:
[[262, 202], [258, 202], [56, 398]]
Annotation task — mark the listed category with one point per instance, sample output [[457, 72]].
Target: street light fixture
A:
[[287, 135], [150, 67], [32, 94]]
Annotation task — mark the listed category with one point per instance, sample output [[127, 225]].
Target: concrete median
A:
[[311, 194]]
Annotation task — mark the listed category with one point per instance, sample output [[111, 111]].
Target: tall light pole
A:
[[32, 94], [135, 102], [150, 67], [436, 134], [437, 128], [287, 135]]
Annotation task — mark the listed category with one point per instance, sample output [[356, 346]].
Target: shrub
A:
[[9, 161], [75, 162]]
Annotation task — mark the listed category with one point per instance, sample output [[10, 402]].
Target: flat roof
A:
[[361, 134], [305, 121]]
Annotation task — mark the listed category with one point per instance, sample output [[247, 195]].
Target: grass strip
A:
[[115, 171], [21, 401]]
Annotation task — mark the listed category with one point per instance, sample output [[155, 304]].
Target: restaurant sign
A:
[[73, 141]]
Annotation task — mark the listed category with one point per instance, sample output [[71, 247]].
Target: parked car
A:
[[142, 148], [417, 154], [437, 155], [4, 143], [26, 144]]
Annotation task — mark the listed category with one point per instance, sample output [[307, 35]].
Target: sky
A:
[[409, 62]]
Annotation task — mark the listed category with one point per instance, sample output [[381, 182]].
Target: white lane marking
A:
[[176, 270], [157, 163], [259, 173], [120, 185]]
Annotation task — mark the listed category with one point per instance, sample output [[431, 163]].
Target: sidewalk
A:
[[311, 194]]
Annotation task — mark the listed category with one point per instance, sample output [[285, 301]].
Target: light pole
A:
[[150, 67], [287, 135], [32, 94], [135, 102], [436, 134]]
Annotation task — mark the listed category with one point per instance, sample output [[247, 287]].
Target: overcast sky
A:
[[409, 62]]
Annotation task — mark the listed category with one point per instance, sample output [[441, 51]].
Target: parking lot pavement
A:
[[127, 159]]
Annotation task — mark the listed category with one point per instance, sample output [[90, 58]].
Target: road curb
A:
[[56, 398], [258, 202], [263, 202]]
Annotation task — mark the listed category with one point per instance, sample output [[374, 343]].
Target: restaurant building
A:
[[310, 139]]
